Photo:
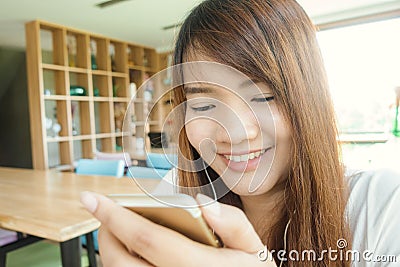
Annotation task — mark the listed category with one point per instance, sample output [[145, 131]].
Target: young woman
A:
[[273, 144]]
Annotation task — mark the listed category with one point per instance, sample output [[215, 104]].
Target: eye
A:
[[200, 108], [262, 99]]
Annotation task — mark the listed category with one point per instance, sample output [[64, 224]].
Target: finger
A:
[[153, 242], [231, 225], [114, 253]]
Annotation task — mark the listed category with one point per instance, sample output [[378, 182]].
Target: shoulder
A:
[[371, 182], [372, 209]]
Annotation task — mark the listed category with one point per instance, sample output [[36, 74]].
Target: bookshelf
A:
[[79, 90]]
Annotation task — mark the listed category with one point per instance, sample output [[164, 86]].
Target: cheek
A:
[[198, 131]]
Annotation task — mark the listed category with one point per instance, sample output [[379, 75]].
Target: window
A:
[[363, 66]]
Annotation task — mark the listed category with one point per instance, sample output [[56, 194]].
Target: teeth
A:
[[245, 157]]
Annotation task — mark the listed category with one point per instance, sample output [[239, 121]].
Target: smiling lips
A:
[[244, 162], [245, 157]]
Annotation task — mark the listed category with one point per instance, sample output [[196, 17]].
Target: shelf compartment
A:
[[82, 149], [118, 57], [80, 114], [135, 55], [120, 109], [105, 144], [52, 44], [59, 153], [56, 118], [136, 76], [54, 82], [79, 80], [77, 44], [98, 54], [101, 85], [149, 58], [102, 111], [120, 87]]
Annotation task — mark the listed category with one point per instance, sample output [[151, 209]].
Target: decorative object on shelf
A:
[[130, 56], [76, 90], [49, 126], [149, 88], [56, 129], [47, 92], [396, 123], [132, 89], [74, 107], [119, 112], [96, 92], [145, 60], [112, 57], [93, 52], [71, 46], [115, 90]]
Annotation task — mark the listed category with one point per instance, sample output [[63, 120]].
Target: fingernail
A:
[[89, 201], [212, 206]]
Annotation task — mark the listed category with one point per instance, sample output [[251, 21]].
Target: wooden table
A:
[[46, 204]]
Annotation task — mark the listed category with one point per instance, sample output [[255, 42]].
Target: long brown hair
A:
[[274, 41]]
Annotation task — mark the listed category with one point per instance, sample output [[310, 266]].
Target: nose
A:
[[237, 126]]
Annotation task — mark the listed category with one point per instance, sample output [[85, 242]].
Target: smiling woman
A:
[[270, 42], [257, 134]]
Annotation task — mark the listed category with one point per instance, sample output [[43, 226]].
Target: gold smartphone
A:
[[178, 212]]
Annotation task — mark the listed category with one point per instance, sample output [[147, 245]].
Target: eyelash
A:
[[211, 106], [203, 108], [263, 99]]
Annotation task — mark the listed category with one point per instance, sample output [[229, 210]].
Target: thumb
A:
[[231, 225]]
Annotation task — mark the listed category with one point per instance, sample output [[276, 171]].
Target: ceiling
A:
[[141, 21]]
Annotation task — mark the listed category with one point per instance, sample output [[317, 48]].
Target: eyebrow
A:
[[208, 90], [248, 82], [198, 90]]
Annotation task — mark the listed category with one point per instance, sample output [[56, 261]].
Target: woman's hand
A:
[[128, 239]]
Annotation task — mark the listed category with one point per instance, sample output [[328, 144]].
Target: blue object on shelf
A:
[[75, 90]]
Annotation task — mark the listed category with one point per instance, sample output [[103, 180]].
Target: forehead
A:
[[209, 77]]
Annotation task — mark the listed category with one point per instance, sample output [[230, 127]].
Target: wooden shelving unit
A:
[[66, 127]]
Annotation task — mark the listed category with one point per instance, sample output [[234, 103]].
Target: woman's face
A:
[[234, 124]]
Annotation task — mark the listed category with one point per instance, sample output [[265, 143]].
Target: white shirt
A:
[[373, 212]]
